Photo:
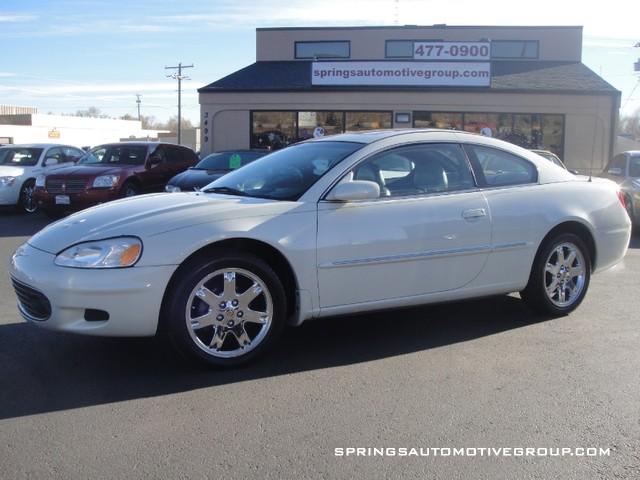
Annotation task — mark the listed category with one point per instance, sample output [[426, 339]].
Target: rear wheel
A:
[[27, 202], [560, 276], [227, 311]]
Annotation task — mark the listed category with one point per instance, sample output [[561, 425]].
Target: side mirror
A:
[[615, 171], [355, 190], [51, 161]]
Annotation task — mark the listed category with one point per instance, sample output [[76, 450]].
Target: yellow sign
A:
[[54, 133]]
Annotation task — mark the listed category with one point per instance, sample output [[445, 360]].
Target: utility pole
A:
[[138, 101], [178, 76]]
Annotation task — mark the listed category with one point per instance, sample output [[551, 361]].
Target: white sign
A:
[[452, 50], [424, 74]]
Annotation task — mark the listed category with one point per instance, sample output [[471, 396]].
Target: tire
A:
[[129, 189], [549, 270], [227, 321], [26, 201]]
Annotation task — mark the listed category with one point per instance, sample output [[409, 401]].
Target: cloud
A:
[[7, 74], [17, 18]]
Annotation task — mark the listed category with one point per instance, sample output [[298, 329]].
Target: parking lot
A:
[[484, 373]]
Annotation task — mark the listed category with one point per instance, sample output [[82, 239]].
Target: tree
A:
[[630, 125], [172, 124], [93, 112]]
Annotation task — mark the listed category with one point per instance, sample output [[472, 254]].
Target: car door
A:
[[157, 172], [429, 231]]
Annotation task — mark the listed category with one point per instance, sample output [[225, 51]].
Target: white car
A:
[[21, 165], [331, 226]]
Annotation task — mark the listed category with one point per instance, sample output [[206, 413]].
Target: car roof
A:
[[37, 145], [370, 136]]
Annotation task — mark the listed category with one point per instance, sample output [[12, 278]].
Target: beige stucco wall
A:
[[556, 43], [587, 117]]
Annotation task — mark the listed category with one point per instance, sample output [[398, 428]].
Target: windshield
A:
[[20, 157], [634, 166], [116, 155], [285, 174], [228, 160]]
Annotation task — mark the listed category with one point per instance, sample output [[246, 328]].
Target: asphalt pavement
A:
[[479, 374]]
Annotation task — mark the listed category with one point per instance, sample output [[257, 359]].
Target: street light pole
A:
[[178, 76]]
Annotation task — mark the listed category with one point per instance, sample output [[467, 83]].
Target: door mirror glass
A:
[[50, 161], [615, 171], [355, 190], [154, 160]]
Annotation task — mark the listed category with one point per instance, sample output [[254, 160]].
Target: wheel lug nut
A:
[[240, 314], [220, 318], [223, 304], [234, 303]]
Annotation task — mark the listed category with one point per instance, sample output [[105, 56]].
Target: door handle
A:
[[474, 213]]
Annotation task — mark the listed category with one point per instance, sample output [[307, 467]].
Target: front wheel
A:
[[559, 277], [227, 311], [27, 202], [129, 189]]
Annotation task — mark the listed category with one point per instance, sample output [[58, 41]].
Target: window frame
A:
[[475, 188], [298, 42], [479, 172]]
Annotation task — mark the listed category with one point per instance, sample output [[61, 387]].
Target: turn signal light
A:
[[622, 198], [130, 255]]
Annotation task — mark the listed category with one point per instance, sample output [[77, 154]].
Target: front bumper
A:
[[77, 201], [131, 296]]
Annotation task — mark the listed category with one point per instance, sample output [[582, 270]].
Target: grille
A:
[[32, 302], [56, 185]]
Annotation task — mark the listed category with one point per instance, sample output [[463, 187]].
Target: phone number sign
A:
[[452, 51]]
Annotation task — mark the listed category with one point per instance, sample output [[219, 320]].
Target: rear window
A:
[[499, 168], [20, 157], [227, 160]]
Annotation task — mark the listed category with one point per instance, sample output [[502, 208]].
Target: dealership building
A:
[[526, 85]]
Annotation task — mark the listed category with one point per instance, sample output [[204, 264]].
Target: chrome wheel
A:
[[565, 273], [229, 312], [28, 201]]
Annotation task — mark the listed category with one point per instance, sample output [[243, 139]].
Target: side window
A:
[[53, 153], [418, 169], [72, 154], [498, 168], [174, 155]]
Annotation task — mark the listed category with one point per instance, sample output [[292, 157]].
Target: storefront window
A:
[[273, 130], [356, 121], [319, 124], [447, 121], [528, 130], [552, 133]]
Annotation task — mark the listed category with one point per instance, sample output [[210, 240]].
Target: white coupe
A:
[[332, 226]]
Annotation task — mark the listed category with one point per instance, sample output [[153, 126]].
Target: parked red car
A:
[[112, 171]]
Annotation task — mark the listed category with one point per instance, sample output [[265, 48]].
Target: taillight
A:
[[622, 198]]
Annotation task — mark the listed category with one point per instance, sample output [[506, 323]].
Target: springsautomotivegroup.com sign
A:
[[393, 73]]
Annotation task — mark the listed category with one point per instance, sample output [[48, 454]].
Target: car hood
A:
[[11, 171], [88, 171], [152, 214], [195, 178]]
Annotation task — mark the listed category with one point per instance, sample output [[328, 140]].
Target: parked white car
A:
[[20, 165], [337, 225]]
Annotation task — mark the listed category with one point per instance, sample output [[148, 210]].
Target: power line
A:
[[178, 76]]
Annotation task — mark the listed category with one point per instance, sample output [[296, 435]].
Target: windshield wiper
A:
[[226, 190]]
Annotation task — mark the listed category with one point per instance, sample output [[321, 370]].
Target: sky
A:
[[67, 55]]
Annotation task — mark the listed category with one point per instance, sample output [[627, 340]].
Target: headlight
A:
[[111, 253], [105, 181], [7, 181], [40, 181], [172, 188]]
